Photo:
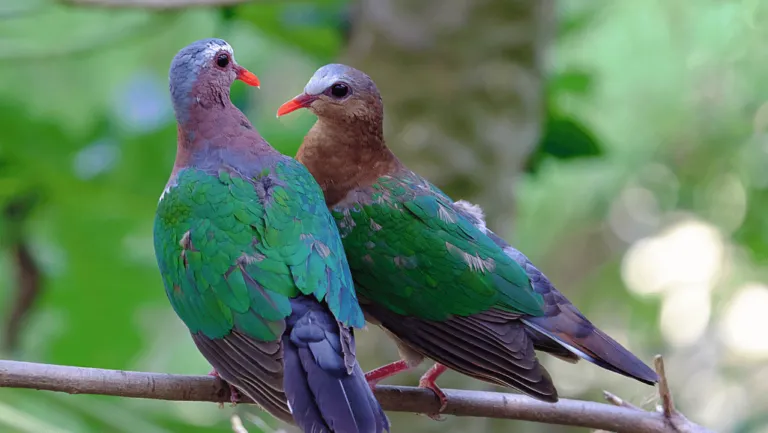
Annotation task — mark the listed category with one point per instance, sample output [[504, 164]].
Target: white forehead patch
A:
[[322, 79], [213, 47]]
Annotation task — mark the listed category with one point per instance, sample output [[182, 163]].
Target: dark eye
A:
[[339, 90], [222, 60]]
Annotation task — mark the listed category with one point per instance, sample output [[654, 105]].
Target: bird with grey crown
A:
[[252, 261], [426, 268]]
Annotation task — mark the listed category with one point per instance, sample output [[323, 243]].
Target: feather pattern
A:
[[427, 269], [424, 265], [320, 368], [429, 276], [236, 252], [563, 330], [252, 261]]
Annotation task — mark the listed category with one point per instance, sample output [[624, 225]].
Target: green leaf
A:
[[564, 139]]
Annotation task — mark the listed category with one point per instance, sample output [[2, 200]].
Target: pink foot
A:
[[428, 381], [234, 396], [378, 374]]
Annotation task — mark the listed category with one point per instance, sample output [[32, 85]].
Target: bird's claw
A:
[[234, 396], [426, 382], [435, 416], [429, 381]]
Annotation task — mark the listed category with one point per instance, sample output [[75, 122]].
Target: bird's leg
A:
[[234, 397], [378, 374], [428, 381]]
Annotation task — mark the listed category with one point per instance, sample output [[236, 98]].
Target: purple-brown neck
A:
[[211, 129], [347, 153]]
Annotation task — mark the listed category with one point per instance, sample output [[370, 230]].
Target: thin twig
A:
[[152, 4], [667, 404], [676, 421], [78, 380], [618, 401]]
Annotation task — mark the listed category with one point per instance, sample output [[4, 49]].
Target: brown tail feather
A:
[[568, 327], [544, 343]]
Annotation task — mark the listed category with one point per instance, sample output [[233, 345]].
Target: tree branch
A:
[[78, 380], [152, 4]]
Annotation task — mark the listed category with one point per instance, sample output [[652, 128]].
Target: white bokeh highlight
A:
[[745, 321], [683, 264]]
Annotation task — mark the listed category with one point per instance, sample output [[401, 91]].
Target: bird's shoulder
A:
[[411, 248]]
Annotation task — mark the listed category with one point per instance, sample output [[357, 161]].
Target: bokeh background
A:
[[620, 144]]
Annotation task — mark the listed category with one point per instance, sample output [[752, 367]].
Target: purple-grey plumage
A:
[[252, 261]]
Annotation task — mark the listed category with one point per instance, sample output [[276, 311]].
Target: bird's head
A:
[[338, 92], [207, 65]]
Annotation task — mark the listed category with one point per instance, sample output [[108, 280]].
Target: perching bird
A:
[[252, 261], [427, 269]]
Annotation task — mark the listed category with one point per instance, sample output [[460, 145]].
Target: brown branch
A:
[[78, 380], [152, 4], [674, 420]]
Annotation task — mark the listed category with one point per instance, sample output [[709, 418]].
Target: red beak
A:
[[301, 101], [247, 76]]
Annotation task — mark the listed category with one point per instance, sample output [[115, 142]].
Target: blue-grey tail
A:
[[325, 386]]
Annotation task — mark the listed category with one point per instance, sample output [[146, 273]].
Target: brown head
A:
[[339, 93], [345, 149]]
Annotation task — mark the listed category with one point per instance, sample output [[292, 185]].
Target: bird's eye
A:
[[222, 60], [339, 90]]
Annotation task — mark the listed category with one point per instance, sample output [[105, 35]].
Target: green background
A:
[[643, 200]]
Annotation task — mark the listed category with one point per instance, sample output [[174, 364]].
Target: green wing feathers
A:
[[232, 252], [430, 262]]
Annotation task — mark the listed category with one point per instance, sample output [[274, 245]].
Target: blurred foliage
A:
[[317, 28], [564, 137], [655, 115]]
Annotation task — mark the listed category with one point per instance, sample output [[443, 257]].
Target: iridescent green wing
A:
[[412, 253], [233, 251]]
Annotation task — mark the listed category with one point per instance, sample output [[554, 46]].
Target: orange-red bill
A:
[[247, 76], [301, 101]]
